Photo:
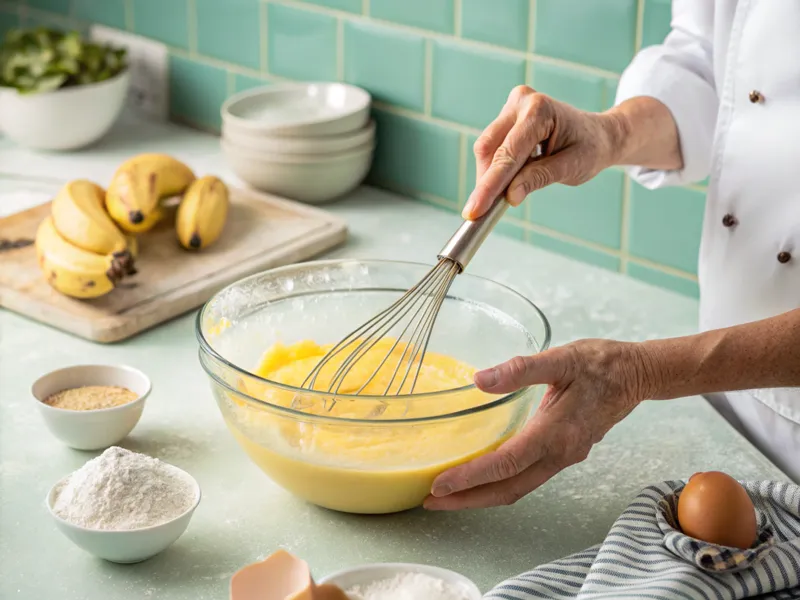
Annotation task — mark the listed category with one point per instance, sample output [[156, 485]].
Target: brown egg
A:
[[715, 508]]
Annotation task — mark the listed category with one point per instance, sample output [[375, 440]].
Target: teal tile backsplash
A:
[[106, 12], [61, 7], [655, 26], [164, 20], [592, 211], [302, 43], [600, 33], [197, 91], [389, 63], [587, 91], [504, 24], [416, 156], [8, 20], [462, 96], [440, 71], [665, 226], [246, 82], [435, 15], [229, 31]]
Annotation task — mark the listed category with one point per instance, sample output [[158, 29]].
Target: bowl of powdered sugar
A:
[[401, 581], [123, 506]]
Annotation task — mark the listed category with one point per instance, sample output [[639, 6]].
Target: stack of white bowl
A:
[[311, 142]]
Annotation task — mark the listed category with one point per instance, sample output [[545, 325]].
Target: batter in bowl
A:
[[373, 467]]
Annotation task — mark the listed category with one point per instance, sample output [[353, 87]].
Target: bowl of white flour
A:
[[123, 506], [403, 581]]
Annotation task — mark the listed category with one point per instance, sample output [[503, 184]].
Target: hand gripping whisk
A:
[[414, 314]]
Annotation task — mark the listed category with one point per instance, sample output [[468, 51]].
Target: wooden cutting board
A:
[[262, 232]]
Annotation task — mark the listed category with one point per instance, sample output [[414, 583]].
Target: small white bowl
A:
[[91, 429], [310, 179], [322, 145], [367, 574], [129, 546], [65, 119], [298, 109]]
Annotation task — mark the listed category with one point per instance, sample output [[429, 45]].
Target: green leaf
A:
[[49, 83]]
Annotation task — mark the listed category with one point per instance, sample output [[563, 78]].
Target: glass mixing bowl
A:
[[372, 454]]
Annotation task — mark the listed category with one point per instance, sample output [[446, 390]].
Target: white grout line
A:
[[665, 269], [457, 19], [365, 7], [462, 168], [191, 26], [263, 26], [531, 25], [428, 83], [130, 19], [627, 186], [340, 49], [637, 44]]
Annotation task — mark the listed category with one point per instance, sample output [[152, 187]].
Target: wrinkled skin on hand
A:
[[576, 145], [593, 384]]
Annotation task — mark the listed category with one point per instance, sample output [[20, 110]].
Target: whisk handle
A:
[[469, 237]]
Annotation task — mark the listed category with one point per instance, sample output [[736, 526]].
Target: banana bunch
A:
[[89, 241], [140, 185]]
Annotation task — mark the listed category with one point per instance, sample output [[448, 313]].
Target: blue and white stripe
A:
[[646, 556]]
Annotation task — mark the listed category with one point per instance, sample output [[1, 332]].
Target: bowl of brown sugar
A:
[[91, 407]]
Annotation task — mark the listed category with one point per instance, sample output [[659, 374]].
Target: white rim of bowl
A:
[[73, 89], [256, 126], [295, 159], [440, 572], [121, 407], [50, 498]]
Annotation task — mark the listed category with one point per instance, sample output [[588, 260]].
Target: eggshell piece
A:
[[715, 508], [328, 591], [278, 577]]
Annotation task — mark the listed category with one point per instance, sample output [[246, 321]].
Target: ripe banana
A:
[[74, 271], [139, 184], [202, 213], [80, 217]]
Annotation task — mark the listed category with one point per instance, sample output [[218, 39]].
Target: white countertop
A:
[[243, 515]]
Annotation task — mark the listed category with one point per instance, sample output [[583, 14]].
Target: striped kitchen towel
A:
[[646, 556]]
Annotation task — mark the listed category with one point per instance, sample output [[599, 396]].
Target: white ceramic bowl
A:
[[327, 144], [298, 109], [311, 179], [65, 119], [367, 574], [91, 429], [130, 546]]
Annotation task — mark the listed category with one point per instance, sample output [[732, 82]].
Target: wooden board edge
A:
[[113, 329]]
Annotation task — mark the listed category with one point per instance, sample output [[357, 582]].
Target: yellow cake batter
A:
[[376, 467]]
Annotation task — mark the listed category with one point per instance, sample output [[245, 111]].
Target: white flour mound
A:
[[123, 490], [409, 586]]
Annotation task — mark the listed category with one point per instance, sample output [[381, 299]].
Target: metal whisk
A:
[[415, 312]]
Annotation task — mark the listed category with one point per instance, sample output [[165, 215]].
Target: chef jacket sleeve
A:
[[680, 74]]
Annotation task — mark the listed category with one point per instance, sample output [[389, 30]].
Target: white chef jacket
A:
[[729, 71]]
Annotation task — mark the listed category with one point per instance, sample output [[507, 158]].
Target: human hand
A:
[[593, 384], [576, 145]]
